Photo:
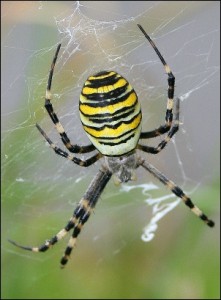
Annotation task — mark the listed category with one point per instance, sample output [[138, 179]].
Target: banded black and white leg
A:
[[176, 190], [171, 85], [79, 218], [173, 130], [60, 129], [90, 199], [59, 151]]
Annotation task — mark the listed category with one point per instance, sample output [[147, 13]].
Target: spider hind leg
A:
[[89, 201]]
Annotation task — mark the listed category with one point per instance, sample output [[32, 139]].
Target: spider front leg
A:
[[54, 118], [171, 84], [80, 216], [177, 191]]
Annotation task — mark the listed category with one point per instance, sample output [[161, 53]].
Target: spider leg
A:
[[90, 199], [171, 85], [59, 151], [80, 216], [177, 191], [163, 143], [54, 118], [156, 132], [80, 209], [61, 234]]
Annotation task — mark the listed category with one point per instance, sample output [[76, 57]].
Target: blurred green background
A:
[[40, 190]]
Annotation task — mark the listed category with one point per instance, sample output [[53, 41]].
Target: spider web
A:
[[36, 183]]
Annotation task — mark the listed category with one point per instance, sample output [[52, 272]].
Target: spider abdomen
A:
[[110, 113]]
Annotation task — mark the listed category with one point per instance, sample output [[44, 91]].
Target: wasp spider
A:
[[111, 117]]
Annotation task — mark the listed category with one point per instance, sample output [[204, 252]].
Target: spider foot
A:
[[44, 135], [23, 247], [43, 248]]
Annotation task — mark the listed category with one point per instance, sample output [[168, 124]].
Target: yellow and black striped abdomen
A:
[[110, 113]]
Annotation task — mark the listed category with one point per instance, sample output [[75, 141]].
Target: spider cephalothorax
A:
[[111, 116], [122, 167]]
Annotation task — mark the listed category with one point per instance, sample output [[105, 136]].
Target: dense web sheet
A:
[[93, 40]]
